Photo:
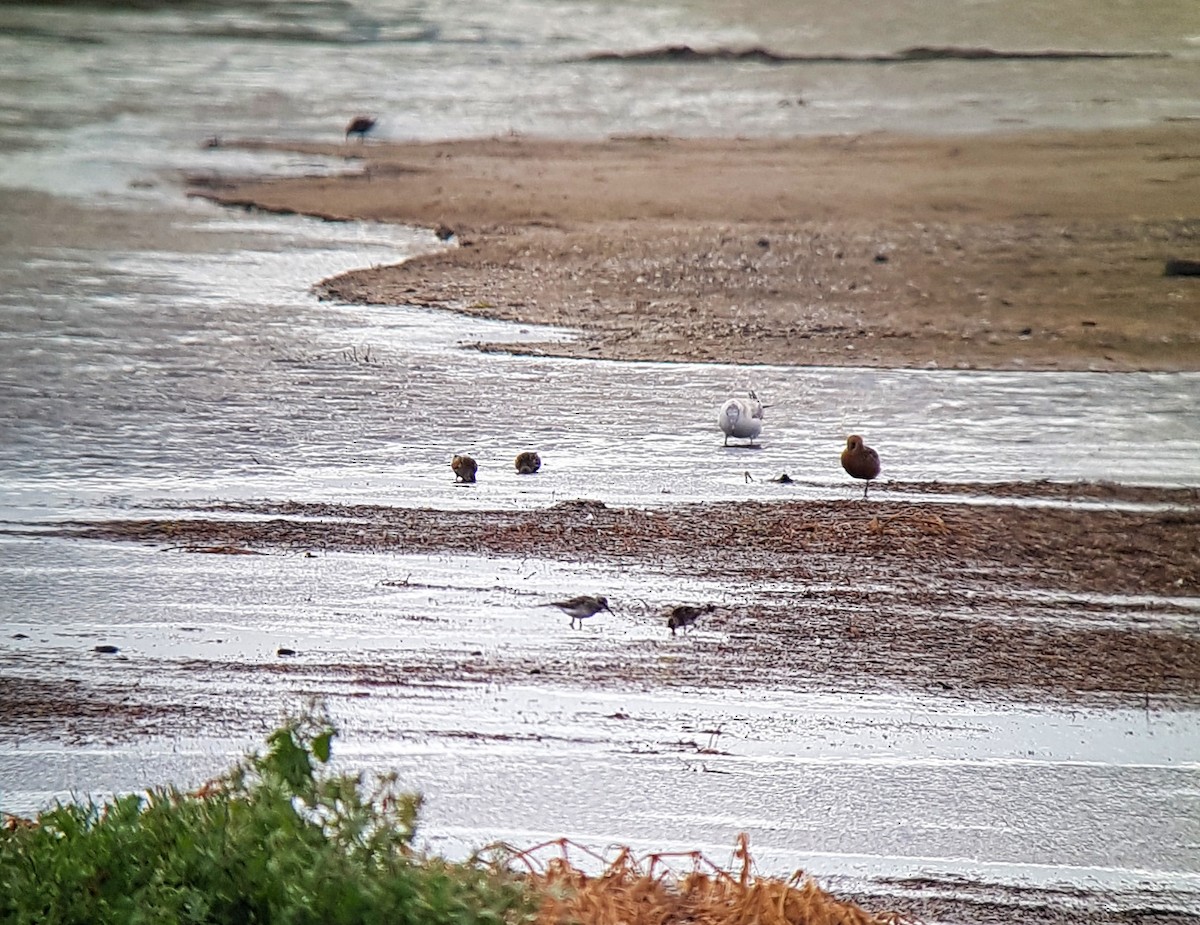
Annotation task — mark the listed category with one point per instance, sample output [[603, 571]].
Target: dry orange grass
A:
[[652, 891]]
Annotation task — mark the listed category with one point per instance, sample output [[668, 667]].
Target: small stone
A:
[[106, 650], [283, 652]]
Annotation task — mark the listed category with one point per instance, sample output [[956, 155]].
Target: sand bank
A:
[[1035, 251]]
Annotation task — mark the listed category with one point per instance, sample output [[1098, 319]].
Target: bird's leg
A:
[[866, 486]]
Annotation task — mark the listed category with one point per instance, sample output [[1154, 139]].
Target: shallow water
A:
[[211, 371], [134, 80], [155, 351]]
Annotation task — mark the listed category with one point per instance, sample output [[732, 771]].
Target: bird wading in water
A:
[[360, 126], [464, 468], [741, 418], [581, 607], [528, 463], [681, 616]]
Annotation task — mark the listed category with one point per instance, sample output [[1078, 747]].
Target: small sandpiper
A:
[[741, 418], [464, 468], [681, 616], [860, 461], [528, 462], [360, 126], [581, 607]]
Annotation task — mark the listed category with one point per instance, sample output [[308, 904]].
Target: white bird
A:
[[741, 418]]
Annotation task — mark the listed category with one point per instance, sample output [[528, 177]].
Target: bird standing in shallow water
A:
[[581, 607], [528, 462], [359, 126], [860, 461], [741, 418], [681, 616], [464, 468]]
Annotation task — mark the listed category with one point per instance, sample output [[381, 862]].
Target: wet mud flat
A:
[[1033, 596], [1038, 250], [1025, 603]]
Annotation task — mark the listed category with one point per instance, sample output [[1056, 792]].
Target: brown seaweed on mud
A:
[[1036, 603], [906, 544], [919, 53]]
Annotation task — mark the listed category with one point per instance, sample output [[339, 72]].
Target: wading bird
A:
[[581, 607], [681, 616], [464, 468], [359, 126], [860, 461], [528, 462], [741, 418]]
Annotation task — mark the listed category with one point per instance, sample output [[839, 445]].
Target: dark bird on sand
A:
[[681, 616], [359, 126], [860, 461], [464, 468], [581, 607], [528, 462]]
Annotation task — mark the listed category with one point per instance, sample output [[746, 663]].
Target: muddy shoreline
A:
[[995, 602], [1031, 251]]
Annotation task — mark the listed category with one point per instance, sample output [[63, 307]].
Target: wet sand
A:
[[1026, 598], [1032, 251], [1030, 604]]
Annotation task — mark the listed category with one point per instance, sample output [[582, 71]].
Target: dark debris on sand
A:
[[979, 600]]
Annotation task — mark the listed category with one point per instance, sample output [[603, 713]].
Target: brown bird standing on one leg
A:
[[860, 461]]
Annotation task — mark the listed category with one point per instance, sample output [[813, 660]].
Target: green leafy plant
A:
[[271, 841]]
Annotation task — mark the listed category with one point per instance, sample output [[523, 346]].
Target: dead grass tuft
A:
[[652, 890]]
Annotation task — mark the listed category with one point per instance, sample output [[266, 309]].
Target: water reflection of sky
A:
[[214, 372]]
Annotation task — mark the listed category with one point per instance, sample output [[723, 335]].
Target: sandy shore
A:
[[1036, 251]]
